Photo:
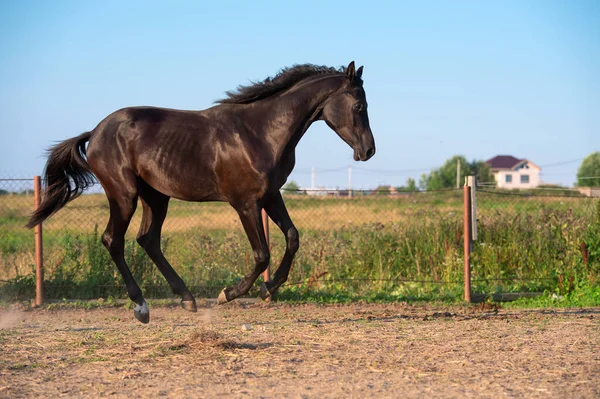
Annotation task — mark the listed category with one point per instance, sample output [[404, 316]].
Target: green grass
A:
[[367, 248], [581, 297]]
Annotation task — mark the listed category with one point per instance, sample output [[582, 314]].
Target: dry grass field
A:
[[313, 213]]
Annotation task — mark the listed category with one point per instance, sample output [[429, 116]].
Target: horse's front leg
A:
[[251, 220], [279, 214]]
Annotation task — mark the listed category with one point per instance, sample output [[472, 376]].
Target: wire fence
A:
[[364, 243]]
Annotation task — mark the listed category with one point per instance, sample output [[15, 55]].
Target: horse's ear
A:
[[359, 72], [351, 71]]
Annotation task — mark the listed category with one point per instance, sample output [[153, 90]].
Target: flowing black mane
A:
[[285, 79]]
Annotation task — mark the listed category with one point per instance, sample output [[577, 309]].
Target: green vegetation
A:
[[371, 248], [588, 174], [445, 176], [411, 186], [292, 188]]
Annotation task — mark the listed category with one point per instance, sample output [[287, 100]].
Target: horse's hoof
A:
[[190, 306], [142, 313], [264, 292], [222, 297]]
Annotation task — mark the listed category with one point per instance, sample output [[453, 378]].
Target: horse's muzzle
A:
[[364, 155]]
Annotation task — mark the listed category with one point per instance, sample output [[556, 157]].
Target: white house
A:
[[510, 172]]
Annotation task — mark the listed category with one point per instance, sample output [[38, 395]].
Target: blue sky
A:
[[477, 78]]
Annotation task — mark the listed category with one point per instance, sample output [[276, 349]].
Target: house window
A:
[[508, 178], [524, 179]]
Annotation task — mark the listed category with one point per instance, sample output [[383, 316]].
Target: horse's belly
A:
[[192, 185]]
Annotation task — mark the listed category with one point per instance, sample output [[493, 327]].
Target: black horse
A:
[[240, 151]]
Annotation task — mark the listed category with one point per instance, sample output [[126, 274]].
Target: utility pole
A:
[[458, 173], [313, 178]]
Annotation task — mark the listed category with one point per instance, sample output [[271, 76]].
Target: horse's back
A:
[[162, 146]]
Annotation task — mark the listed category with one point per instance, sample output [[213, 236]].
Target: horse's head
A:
[[345, 112]]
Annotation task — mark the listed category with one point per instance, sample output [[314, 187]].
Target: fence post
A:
[[39, 249], [467, 239], [473, 184], [265, 221]]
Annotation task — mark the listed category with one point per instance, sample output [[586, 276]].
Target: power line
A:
[[404, 172], [307, 171], [550, 165], [368, 170], [393, 171]]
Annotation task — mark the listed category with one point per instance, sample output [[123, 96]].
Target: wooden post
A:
[[39, 259], [265, 220], [467, 240]]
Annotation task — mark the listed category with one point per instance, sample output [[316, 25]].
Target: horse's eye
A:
[[359, 107]]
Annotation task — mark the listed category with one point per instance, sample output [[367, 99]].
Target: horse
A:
[[239, 151]]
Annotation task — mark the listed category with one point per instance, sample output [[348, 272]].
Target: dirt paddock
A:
[[301, 351]]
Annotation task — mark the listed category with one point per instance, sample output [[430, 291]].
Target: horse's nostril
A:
[[370, 152]]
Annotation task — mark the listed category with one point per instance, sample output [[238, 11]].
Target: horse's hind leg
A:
[[155, 206], [121, 211]]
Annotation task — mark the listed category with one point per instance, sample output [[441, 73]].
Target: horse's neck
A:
[[296, 109]]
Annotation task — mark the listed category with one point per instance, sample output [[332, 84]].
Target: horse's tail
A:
[[67, 175]]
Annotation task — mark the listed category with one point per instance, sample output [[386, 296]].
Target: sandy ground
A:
[[301, 351]]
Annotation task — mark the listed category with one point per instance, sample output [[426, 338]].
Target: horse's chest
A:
[[286, 165], [281, 171]]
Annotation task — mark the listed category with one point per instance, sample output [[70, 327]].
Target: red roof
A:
[[503, 162]]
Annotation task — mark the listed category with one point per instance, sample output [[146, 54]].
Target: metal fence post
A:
[[467, 240], [265, 221], [473, 184], [39, 259]]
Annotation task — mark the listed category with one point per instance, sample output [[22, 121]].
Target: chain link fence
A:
[[536, 240], [365, 244]]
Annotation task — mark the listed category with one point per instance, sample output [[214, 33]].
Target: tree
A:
[[411, 186], [482, 171], [292, 188], [588, 174], [445, 176], [383, 190]]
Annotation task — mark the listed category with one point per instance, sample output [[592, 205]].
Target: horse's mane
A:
[[285, 78]]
